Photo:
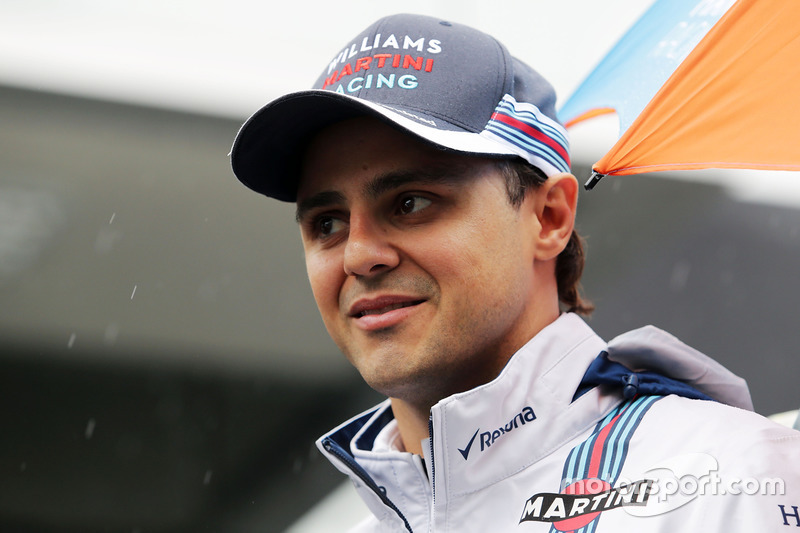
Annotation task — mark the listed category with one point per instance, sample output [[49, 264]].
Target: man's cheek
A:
[[321, 275]]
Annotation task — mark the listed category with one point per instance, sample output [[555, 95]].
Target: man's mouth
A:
[[381, 312], [387, 308]]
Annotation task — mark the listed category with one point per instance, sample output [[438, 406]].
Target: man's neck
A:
[[412, 422], [413, 417]]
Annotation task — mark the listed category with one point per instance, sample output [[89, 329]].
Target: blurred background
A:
[[162, 364]]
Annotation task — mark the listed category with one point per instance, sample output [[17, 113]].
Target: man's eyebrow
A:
[[449, 173], [445, 174], [321, 199]]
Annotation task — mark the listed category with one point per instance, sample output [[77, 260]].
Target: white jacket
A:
[[549, 446]]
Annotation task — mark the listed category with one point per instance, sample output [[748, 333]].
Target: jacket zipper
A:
[[433, 476], [334, 449]]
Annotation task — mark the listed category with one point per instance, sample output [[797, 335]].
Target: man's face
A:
[[421, 268]]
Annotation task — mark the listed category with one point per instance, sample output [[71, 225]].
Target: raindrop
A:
[[71, 340], [112, 217], [90, 428], [23, 466], [207, 477], [134, 292]]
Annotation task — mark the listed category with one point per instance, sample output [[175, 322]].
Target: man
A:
[[437, 215]]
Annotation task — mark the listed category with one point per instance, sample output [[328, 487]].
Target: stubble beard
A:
[[451, 360]]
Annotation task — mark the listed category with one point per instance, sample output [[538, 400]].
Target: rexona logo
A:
[[582, 502], [487, 438]]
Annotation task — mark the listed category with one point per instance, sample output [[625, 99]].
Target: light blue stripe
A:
[[569, 473], [578, 458], [614, 446], [613, 463], [548, 132], [618, 457], [496, 123], [645, 404], [510, 109], [613, 438], [625, 411], [583, 462], [533, 148], [582, 450], [588, 443], [528, 144], [531, 119]]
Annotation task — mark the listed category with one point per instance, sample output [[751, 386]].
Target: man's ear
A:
[[555, 204]]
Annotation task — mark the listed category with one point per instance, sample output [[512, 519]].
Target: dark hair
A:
[[520, 178]]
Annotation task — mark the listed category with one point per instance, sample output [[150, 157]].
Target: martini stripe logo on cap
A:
[[533, 135]]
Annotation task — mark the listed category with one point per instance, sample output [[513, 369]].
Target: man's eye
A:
[[328, 225], [412, 204]]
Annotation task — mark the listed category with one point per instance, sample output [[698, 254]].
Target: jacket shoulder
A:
[[740, 440]]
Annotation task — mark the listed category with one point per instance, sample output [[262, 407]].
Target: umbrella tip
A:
[[593, 179]]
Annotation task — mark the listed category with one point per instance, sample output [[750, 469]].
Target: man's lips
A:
[[381, 305], [384, 312]]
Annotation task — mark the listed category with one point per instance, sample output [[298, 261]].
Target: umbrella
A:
[[730, 103]]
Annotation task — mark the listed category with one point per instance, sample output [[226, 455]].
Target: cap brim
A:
[[267, 152]]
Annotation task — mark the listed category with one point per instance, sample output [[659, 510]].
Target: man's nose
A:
[[368, 250]]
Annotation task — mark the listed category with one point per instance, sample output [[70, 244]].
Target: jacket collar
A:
[[477, 434], [533, 407]]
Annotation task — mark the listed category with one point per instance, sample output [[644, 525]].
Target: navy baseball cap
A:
[[447, 84]]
